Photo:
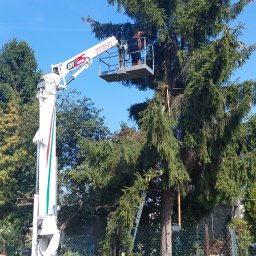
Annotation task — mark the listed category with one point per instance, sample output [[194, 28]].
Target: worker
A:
[[137, 45]]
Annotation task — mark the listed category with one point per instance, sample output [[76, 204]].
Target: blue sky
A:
[[55, 32]]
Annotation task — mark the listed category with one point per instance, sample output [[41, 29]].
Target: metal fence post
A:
[[233, 242]]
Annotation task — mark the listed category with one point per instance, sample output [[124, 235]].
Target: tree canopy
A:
[[194, 127], [18, 71], [18, 78]]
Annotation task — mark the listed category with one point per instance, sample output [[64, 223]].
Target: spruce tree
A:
[[18, 72], [194, 125]]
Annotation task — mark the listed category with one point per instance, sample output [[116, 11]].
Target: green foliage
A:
[[121, 220], [204, 145], [162, 149], [107, 166], [211, 121], [18, 71], [243, 233], [250, 194], [149, 11], [67, 252], [140, 250], [11, 242], [76, 117], [19, 118], [190, 17], [11, 152], [250, 204], [16, 175], [18, 124]]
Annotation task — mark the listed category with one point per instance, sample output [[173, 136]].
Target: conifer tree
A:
[[18, 72], [194, 125]]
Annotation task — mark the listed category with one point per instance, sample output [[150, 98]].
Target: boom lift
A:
[[46, 235], [118, 66]]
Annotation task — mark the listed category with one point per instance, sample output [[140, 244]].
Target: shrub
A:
[[243, 233]]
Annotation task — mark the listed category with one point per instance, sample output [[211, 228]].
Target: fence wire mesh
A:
[[192, 239], [208, 237], [74, 245]]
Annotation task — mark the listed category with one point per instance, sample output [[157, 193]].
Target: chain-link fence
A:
[[208, 237], [74, 245], [192, 239]]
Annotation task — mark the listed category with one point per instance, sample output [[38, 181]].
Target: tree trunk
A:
[[206, 240], [166, 223]]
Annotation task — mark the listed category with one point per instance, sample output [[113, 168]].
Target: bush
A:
[[10, 239], [65, 251], [243, 233]]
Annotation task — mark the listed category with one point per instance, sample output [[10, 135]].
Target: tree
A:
[[11, 153], [10, 242], [107, 166], [250, 189], [76, 117], [18, 72], [18, 79], [15, 179], [196, 51]]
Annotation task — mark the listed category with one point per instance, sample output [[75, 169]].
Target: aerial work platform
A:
[[129, 73], [121, 65]]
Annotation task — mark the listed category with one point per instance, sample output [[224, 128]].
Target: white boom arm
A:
[[83, 59], [46, 236]]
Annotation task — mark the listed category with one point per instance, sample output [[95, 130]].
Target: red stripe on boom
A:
[[49, 139]]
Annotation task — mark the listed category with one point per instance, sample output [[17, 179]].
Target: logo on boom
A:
[[77, 62]]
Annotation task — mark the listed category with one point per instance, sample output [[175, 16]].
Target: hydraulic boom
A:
[[46, 235]]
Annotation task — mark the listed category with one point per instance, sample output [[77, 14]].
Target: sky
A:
[[55, 31]]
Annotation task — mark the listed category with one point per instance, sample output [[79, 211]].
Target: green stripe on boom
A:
[[49, 170]]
